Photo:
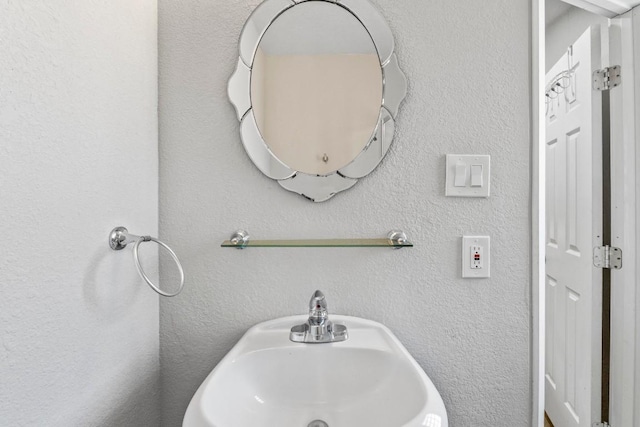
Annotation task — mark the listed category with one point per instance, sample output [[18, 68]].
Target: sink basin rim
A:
[[363, 334]]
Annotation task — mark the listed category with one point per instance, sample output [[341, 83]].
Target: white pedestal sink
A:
[[369, 380]]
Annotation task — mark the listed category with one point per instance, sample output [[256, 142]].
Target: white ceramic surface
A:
[[267, 381]]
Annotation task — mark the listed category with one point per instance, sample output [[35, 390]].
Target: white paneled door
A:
[[574, 225]]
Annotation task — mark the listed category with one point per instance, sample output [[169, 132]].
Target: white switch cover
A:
[[476, 256], [461, 175], [476, 175], [468, 175]]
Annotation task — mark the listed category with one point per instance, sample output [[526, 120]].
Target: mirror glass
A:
[[316, 87]]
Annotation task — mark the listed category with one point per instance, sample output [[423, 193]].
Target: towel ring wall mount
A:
[[120, 237]]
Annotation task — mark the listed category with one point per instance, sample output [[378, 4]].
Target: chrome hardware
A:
[[318, 423], [240, 239], [607, 78], [120, 237], [563, 83], [397, 238], [607, 257], [318, 329]]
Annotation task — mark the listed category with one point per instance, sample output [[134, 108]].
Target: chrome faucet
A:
[[318, 329]]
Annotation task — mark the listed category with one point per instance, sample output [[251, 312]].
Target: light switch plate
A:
[[456, 163], [476, 257]]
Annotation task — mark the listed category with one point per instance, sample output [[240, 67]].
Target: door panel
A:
[[574, 221]]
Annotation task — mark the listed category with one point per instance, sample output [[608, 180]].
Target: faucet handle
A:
[[317, 306], [317, 301]]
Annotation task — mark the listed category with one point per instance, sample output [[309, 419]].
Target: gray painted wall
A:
[[468, 68], [562, 32], [78, 148]]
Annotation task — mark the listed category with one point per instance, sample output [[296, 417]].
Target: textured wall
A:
[[468, 68], [78, 155]]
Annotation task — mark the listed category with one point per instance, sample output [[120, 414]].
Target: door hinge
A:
[[607, 257], [607, 78], [602, 424]]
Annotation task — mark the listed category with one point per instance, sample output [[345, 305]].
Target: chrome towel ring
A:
[[119, 238]]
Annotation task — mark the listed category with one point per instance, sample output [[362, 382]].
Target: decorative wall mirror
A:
[[317, 89]]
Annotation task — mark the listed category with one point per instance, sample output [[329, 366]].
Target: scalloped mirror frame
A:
[[316, 187]]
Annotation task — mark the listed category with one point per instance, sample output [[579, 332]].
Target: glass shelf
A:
[[319, 243], [395, 239]]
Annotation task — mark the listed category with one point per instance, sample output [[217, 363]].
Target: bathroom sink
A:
[[267, 380]]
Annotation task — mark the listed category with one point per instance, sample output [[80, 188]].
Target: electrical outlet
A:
[[475, 257]]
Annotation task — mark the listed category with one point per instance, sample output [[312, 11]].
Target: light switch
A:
[[468, 175], [461, 175], [476, 175]]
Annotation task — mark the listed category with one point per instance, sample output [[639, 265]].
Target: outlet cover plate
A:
[[469, 257]]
